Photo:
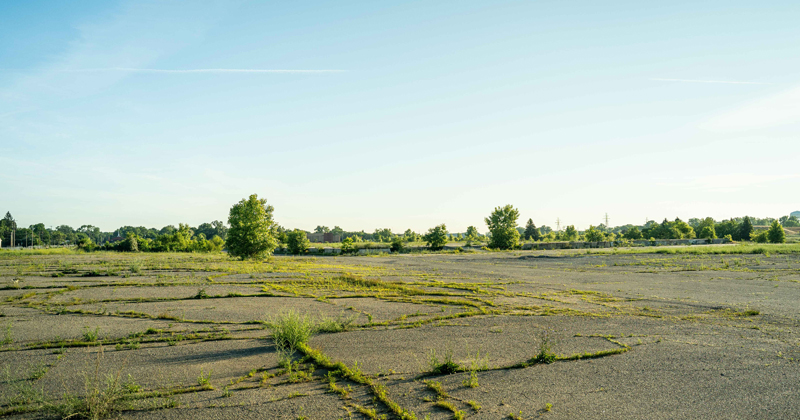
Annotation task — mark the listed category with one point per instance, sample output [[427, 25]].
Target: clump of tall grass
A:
[[290, 330]]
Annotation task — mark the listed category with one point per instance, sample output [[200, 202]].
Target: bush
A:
[[291, 329], [397, 244], [349, 246], [759, 237]]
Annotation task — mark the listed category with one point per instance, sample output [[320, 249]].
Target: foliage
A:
[[677, 229], [569, 234], [776, 234], [472, 235], [633, 233], [547, 340], [290, 330], [397, 244], [210, 230], [502, 225], [252, 233], [443, 367], [790, 221], [759, 237], [436, 238], [746, 228], [349, 246], [594, 235], [382, 235], [531, 232], [297, 241]]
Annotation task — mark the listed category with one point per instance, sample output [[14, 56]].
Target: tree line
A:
[[253, 232]]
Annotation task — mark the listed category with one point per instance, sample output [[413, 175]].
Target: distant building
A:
[[323, 237]]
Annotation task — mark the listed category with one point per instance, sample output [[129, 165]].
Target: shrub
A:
[[759, 237], [349, 246], [291, 329], [397, 244]]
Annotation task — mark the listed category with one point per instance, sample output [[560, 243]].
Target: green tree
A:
[[502, 225], [633, 233], [472, 235], [321, 229], [570, 234], [297, 241], [436, 238], [790, 221], [776, 234], [594, 235], [531, 232], [745, 229], [253, 232], [759, 236], [397, 244], [706, 232], [349, 246], [382, 235]]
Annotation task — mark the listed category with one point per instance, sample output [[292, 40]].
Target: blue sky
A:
[[398, 114]]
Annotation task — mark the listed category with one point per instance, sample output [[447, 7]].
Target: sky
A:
[[366, 115]]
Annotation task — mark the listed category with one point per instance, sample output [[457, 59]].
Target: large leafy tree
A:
[[776, 235], [436, 237], [502, 224], [252, 232]]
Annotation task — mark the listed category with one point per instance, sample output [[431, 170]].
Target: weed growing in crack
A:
[[341, 323], [103, 397], [444, 367], [8, 337], [547, 340], [204, 380], [472, 381], [90, 335]]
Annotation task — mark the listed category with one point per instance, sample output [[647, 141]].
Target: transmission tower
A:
[[607, 221], [558, 225]]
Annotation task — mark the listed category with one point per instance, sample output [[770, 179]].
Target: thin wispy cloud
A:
[[729, 82], [170, 71]]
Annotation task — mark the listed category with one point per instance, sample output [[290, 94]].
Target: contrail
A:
[[138, 70], [731, 82]]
